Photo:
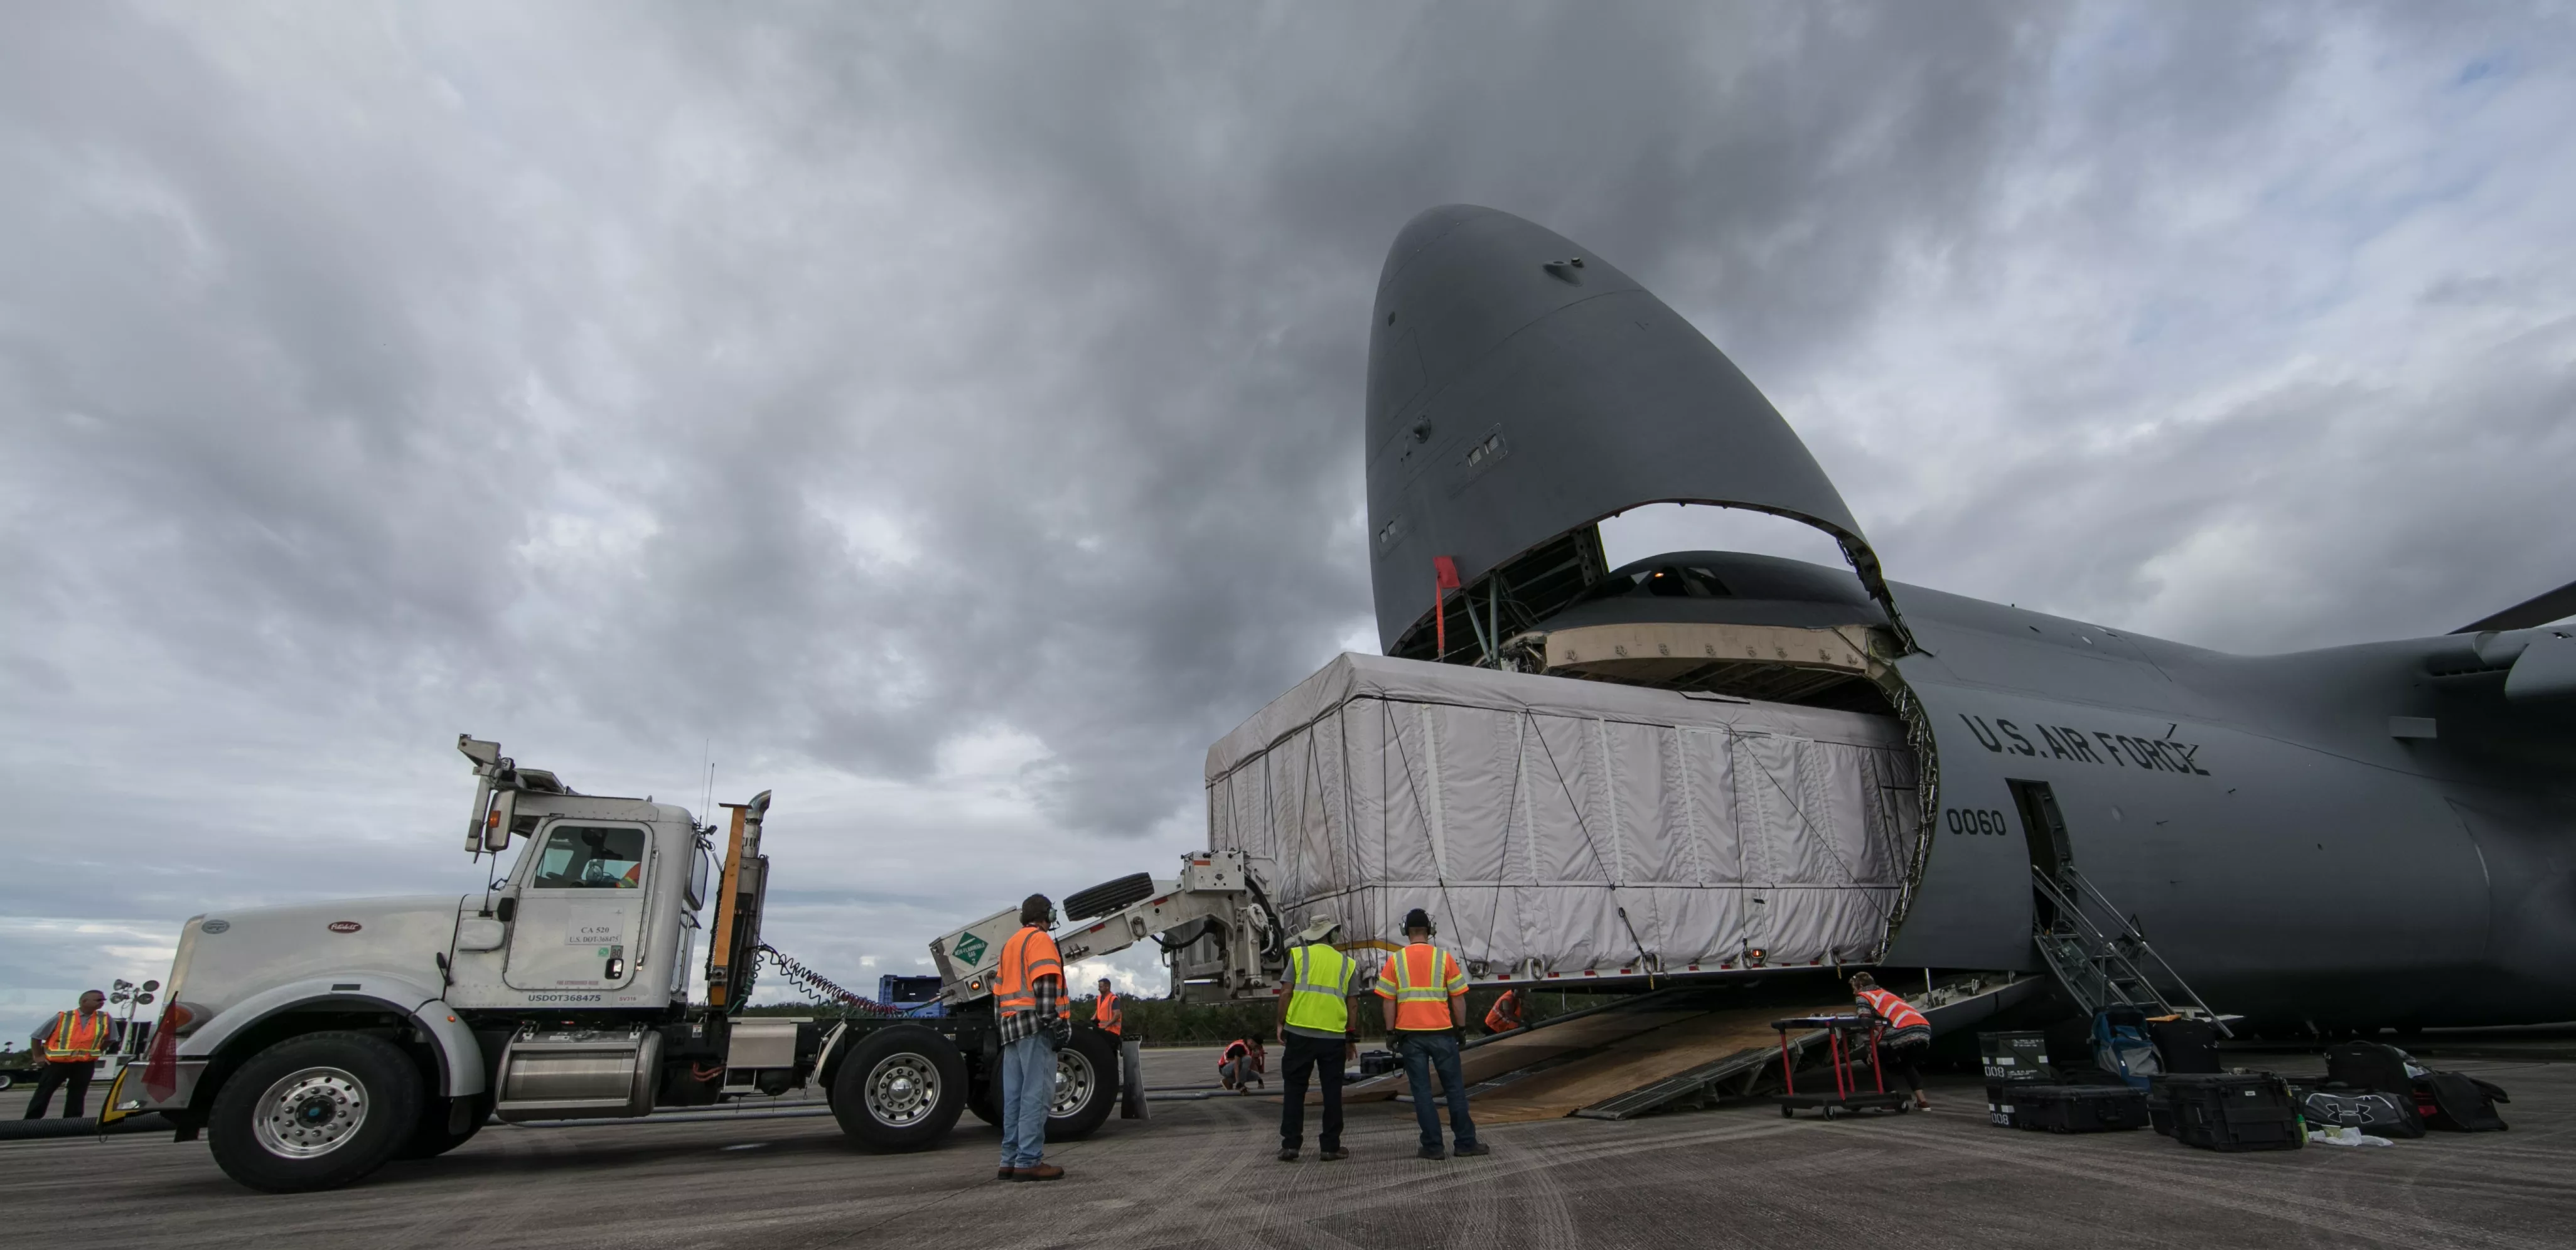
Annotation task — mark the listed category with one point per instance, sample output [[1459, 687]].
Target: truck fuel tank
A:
[[578, 1073]]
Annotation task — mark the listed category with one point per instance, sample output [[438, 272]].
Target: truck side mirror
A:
[[697, 879], [496, 825]]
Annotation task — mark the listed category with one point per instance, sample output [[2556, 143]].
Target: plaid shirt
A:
[[1049, 991]]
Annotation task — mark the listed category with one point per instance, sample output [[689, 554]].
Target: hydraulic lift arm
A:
[[1218, 933]]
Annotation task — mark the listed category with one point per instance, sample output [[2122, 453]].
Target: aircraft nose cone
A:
[[1459, 280], [1521, 387]]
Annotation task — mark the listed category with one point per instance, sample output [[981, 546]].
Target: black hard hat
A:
[[1418, 919]]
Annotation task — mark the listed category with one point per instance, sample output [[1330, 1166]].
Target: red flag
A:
[[1444, 576]]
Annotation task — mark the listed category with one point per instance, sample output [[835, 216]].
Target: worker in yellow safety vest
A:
[[1035, 1017], [1907, 1033], [1315, 1026], [1423, 994], [1104, 1012], [70, 1047]]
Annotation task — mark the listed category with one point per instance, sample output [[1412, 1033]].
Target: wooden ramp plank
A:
[[1635, 1061], [1511, 1054]]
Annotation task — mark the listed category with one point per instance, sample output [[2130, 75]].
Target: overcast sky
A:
[[950, 419]]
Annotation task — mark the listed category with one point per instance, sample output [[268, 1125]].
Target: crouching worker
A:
[[1242, 1064], [1424, 995], [1315, 1027], [1907, 1037]]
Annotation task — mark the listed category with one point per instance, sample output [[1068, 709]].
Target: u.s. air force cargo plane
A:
[[2351, 837]]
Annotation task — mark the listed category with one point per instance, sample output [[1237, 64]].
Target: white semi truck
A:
[[311, 1043]]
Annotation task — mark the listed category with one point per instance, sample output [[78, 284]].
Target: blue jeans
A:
[[1424, 1053], [1028, 1089]]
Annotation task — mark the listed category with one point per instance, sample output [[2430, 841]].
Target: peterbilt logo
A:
[[345, 926]]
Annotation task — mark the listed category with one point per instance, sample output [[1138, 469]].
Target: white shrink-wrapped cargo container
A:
[[1558, 828]]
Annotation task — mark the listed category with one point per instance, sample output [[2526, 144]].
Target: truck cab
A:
[[600, 911]]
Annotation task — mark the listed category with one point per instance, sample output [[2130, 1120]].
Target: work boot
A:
[[1042, 1172], [1287, 1154], [1470, 1149], [1432, 1152], [1334, 1155]]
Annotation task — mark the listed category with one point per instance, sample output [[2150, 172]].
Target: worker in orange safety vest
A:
[[71, 1046], [1423, 994], [1907, 1033], [1036, 1017], [1243, 1063], [1505, 1015], [1104, 1012]]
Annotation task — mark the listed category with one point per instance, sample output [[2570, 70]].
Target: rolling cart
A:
[[1844, 1038]]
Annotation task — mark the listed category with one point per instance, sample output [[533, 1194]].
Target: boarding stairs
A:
[[2101, 959]]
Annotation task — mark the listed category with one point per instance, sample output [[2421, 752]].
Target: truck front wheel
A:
[[900, 1089], [314, 1112]]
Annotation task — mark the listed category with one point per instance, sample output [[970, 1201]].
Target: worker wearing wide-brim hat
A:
[[1315, 1029]]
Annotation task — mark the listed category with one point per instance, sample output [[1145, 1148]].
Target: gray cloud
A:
[[950, 419]]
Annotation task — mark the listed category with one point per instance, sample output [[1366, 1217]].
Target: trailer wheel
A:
[[430, 1136], [900, 1089], [1086, 1085], [1108, 896], [314, 1112]]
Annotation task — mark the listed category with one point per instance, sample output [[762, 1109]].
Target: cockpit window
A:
[[590, 857]]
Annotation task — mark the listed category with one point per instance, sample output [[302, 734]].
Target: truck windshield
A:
[[590, 857]]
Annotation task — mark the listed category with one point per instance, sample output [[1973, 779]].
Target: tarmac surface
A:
[[1202, 1173]]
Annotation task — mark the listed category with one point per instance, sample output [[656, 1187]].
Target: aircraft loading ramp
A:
[[1668, 1049]]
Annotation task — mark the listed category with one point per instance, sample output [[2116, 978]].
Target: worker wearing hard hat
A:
[[1036, 1018], [1423, 993], [1315, 1027]]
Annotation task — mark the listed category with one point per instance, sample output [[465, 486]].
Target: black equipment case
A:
[[2015, 1057], [2369, 1065], [2078, 1108], [2226, 1111], [2186, 1045], [2013, 1062]]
